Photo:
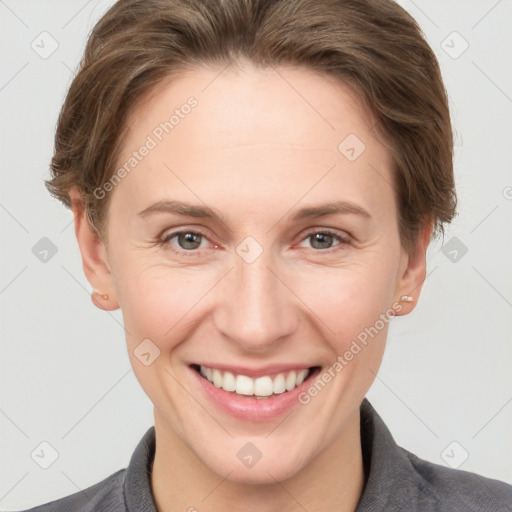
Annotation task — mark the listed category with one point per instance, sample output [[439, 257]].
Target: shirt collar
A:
[[137, 482], [391, 482]]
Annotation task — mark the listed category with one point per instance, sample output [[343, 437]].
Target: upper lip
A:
[[254, 372]]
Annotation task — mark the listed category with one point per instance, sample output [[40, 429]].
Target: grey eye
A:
[[321, 240], [189, 241]]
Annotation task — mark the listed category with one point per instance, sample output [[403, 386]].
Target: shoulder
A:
[[105, 495], [399, 481], [126, 490], [462, 490]]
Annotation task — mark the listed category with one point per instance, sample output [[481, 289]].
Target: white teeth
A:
[[290, 381], [301, 376], [217, 378], [279, 386], [261, 387], [244, 385], [229, 382]]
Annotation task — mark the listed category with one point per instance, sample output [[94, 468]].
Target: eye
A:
[[189, 241], [186, 241], [324, 239]]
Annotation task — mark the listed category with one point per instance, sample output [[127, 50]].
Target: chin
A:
[[262, 473], [271, 461]]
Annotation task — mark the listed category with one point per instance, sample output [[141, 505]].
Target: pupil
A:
[[324, 239], [188, 240]]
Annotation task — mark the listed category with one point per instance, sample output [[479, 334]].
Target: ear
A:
[[413, 272], [94, 255]]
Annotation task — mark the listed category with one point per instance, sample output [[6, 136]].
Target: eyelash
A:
[[164, 242]]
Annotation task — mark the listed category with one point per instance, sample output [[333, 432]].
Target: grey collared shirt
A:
[[395, 480]]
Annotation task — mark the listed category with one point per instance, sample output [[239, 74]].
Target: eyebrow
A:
[[181, 208], [332, 208], [191, 210]]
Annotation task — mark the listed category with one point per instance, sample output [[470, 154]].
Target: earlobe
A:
[[94, 256], [411, 281], [101, 301]]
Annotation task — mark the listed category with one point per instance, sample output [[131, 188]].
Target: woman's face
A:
[[289, 258]]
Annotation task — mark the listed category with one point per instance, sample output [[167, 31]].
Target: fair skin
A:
[[256, 151]]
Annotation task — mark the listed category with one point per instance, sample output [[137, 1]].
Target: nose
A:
[[256, 309]]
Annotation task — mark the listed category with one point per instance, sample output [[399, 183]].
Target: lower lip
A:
[[251, 408]]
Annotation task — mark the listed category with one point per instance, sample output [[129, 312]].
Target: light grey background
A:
[[65, 374]]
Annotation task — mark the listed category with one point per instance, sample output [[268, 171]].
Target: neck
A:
[[333, 481]]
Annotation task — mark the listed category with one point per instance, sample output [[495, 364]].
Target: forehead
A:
[[253, 105], [257, 130]]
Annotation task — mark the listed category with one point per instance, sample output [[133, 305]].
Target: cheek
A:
[[158, 302], [349, 301]]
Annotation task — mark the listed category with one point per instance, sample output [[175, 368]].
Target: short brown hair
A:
[[374, 46]]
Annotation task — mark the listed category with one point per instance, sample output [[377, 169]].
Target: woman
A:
[[255, 185]]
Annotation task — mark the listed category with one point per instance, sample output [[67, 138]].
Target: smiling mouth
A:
[[266, 386]]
